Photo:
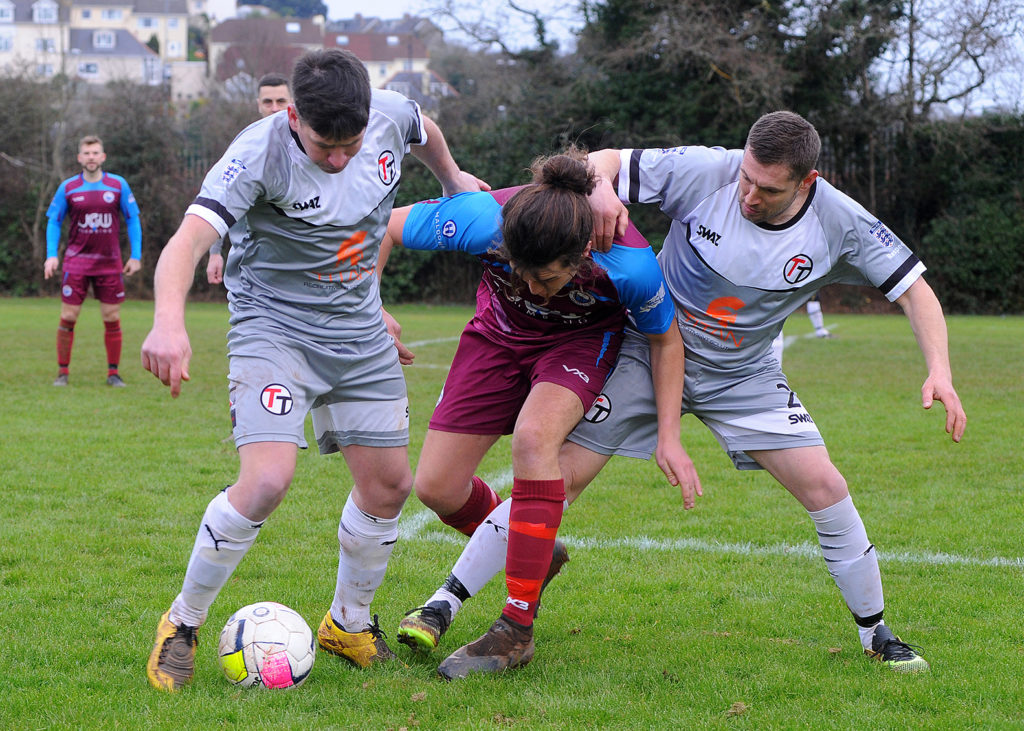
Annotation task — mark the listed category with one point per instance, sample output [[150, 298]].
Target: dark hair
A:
[[332, 93], [785, 138], [272, 79], [550, 219]]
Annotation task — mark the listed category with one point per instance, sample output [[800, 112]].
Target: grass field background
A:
[[719, 617]]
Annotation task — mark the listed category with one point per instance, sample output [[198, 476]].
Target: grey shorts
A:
[[748, 411], [355, 390]]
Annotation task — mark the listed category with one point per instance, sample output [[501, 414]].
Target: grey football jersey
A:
[[734, 282], [313, 238]]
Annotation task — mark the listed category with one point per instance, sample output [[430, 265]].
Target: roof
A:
[[161, 7], [125, 44], [262, 30], [370, 47], [23, 12]]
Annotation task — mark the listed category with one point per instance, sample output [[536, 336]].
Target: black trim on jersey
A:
[[281, 212], [217, 208], [909, 263], [696, 252], [794, 219], [297, 140], [634, 175]]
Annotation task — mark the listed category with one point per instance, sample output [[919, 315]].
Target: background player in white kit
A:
[[754, 234], [317, 186]]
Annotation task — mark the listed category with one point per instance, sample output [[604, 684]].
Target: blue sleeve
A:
[[636, 275], [130, 209], [55, 214], [469, 222]]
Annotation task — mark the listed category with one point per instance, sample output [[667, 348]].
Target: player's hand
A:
[[131, 266], [680, 470], [50, 267], [405, 356], [941, 389], [215, 269], [610, 216], [166, 355], [464, 182]]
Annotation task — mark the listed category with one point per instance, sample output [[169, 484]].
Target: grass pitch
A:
[[719, 617]]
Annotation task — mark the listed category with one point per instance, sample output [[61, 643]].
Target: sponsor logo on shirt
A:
[[276, 399], [798, 269], [386, 167], [95, 221], [313, 202], [722, 316], [671, 151], [706, 233]]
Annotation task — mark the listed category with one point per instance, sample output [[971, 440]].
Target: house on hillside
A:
[[256, 46], [384, 54]]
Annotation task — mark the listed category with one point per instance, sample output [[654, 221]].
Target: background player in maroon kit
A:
[[93, 201]]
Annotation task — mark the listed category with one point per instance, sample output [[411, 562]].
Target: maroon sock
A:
[[65, 339], [533, 524], [482, 500], [112, 341]]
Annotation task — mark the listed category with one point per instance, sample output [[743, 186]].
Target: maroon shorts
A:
[[108, 288], [488, 382]]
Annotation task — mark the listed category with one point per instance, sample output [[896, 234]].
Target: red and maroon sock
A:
[[65, 339], [112, 341], [482, 500], [534, 517]]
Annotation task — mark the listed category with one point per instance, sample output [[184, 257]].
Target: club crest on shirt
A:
[[108, 197], [581, 298], [386, 167], [449, 229], [798, 268], [232, 171]]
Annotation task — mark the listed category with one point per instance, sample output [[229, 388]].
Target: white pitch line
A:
[[434, 341], [645, 544]]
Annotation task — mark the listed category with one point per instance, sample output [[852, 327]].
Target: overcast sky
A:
[[561, 19]]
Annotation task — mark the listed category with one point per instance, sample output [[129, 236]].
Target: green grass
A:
[[719, 617]]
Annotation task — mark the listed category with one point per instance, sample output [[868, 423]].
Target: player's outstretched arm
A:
[[166, 351], [610, 215], [925, 314], [438, 158], [667, 372]]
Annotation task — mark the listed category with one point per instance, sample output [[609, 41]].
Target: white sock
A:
[[867, 633], [484, 555], [850, 558], [815, 315], [224, 537], [366, 545]]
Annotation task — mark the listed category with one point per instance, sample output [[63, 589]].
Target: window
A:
[[6, 12], [172, 22], [103, 39], [44, 69], [174, 48], [292, 27], [111, 13], [44, 11], [341, 40], [86, 14], [392, 40], [46, 45], [88, 69], [6, 43], [147, 22]]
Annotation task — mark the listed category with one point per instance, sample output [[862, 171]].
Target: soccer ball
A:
[[266, 644]]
